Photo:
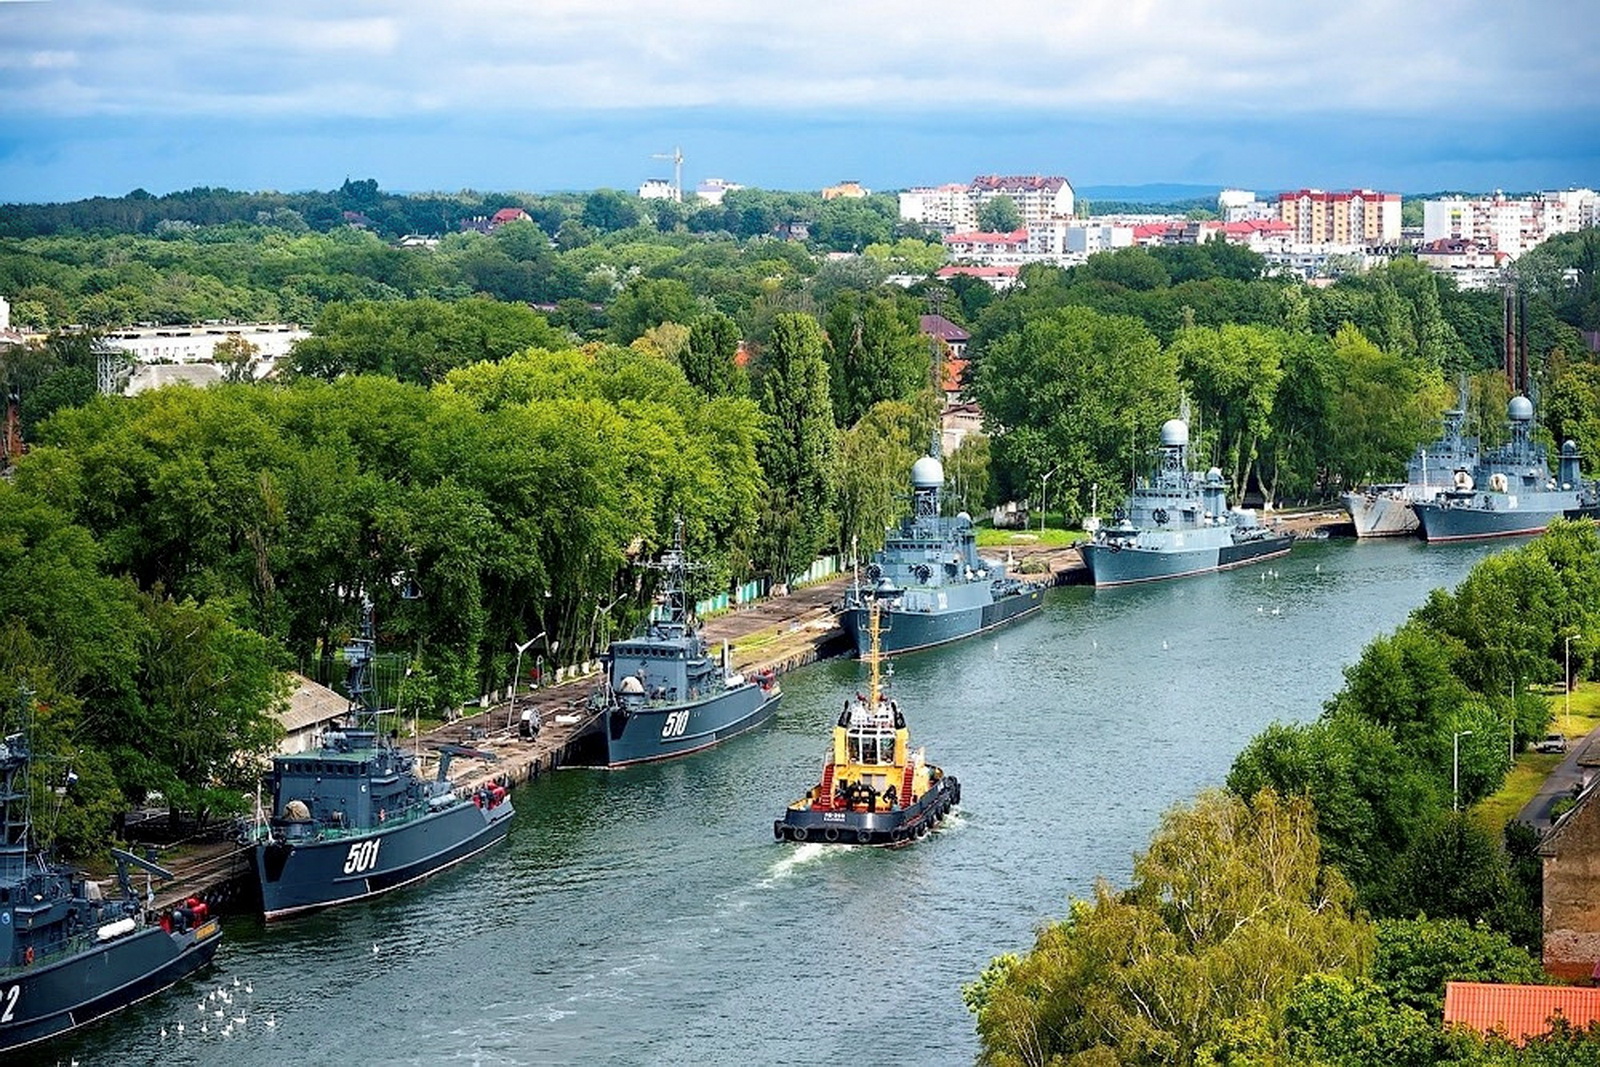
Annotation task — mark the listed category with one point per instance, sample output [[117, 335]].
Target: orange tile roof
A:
[[953, 370], [1518, 1011]]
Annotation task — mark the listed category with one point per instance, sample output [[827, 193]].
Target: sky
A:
[[99, 97]]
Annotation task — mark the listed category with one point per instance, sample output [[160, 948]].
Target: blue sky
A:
[[102, 96]]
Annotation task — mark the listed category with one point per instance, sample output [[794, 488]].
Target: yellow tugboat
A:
[[874, 789]]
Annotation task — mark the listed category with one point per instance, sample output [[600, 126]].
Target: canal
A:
[[647, 916]]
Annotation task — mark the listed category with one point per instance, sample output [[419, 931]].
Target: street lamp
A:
[[1043, 484], [516, 676], [1455, 769], [1566, 679]]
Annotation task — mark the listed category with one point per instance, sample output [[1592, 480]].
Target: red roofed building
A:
[[1001, 278], [1518, 1011], [987, 245], [508, 214]]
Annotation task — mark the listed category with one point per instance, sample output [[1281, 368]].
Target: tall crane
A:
[[677, 171]]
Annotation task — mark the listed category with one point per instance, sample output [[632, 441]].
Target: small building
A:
[[998, 278], [312, 707], [712, 190], [657, 189], [1571, 876], [849, 189], [1518, 1012]]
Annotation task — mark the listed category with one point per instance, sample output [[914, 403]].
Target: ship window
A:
[[871, 744]]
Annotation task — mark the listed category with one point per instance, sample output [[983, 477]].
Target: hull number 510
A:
[[363, 856], [677, 722]]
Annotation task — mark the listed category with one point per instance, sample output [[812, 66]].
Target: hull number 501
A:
[[363, 856]]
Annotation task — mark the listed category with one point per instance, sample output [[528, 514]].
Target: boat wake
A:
[[802, 855]]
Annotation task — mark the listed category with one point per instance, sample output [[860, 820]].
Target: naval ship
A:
[[1384, 510], [68, 954], [1177, 523], [1510, 492], [929, 580], [352, 818], [665, 694], [874, 790]]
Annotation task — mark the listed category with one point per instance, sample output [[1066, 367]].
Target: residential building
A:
[[1510, 225], [988, 247], [5, 314], [846, 190], [1241, 205], [1518, 1012], [954, 337], [197, 342], [658, 189], [712, 190], [1570, 855], [998, 278], [1473, 264], [1356, 217], [954, 208]]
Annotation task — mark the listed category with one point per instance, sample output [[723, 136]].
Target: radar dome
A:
[[1520, 409], [927, 473], [1174, 432]]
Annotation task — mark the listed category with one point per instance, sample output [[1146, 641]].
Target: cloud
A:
[[366, 59]]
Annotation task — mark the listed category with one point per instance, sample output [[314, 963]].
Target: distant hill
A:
[[1157, 193]]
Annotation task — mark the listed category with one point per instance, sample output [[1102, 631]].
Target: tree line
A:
[[1313, 910]]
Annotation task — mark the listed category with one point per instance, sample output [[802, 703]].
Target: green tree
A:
[[999, 215], [797, 453], [1234, 372], [875, 354], [648, 302], [708, 362], [1228, 910], [874, 462]]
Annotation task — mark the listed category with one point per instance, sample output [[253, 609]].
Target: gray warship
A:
[[68, 954], [929, 582], [352, 818], [1177, 523], [665, 694], [1385, 509], [1510, 492]]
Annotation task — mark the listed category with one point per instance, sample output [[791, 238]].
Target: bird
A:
[[248, 988], [240, 1019], [1276, 611], [180, 1029], [272, 1020], [1319, 568], [1164, 645], [204, 1029], [201, 1006], [1260, 609], [163, 1033], [227, 1031], [236, 981], [374, 948]]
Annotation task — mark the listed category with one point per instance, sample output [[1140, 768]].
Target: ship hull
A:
[[51, 998], [1388, 512], [902, 826], [1132, 564], [663, 731], [909, 631], [306, 876], [1486, 517]]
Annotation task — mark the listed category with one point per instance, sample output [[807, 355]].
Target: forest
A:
[[508, 421]]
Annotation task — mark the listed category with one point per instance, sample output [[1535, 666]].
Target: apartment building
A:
[[1355, 217], [1509, 226], [954, 208]]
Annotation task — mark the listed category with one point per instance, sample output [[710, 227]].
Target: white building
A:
[[657, 189], [954, 208], [5, 314], [1242, 205], [197, 343], [712, 190], [1509, 226]]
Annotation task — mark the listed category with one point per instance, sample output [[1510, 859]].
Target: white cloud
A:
[[305, 58]]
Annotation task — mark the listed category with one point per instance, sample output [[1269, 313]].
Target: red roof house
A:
[[1518, 1011]]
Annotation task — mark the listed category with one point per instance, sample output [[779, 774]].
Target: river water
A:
[[647, 916]]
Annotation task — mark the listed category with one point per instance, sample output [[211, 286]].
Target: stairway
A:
[[825, 790], [905, 785]]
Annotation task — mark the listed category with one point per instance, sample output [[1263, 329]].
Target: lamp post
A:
[[516, 676], [1566, 684], [1511, 735], [1455, 769], [1043, 484]]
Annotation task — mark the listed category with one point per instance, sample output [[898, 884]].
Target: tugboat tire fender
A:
[[922, 828], [830, 835], [863, 837], [799, 833], [777, 829]]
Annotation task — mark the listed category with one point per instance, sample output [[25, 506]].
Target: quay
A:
[[777, 633]]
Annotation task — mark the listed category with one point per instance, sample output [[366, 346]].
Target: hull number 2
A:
[[363, 856], [677, 722], [8, 1002]]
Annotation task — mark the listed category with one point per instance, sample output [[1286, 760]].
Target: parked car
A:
[[1552, 743]]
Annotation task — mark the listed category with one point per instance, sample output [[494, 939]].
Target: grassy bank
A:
[[1493, 812]]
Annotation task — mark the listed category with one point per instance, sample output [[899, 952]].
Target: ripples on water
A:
[[647, 916]]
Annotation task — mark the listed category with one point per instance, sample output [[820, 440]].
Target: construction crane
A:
[[677, 171]]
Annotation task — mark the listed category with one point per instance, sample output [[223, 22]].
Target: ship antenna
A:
[[358, 657], [874, 654]]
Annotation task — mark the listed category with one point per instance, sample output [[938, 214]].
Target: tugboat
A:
[[929, 580], [1177, 524], [1385, 510], [874, 790], [1510, 493], [68, 955], [664, 694], [352, 818]]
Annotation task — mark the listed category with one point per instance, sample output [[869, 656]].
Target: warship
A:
[[353, 818], [1177, 523], [1385, 510], [929, 581], [874, 790], [1510, 492], [69, 954], [665, 694]]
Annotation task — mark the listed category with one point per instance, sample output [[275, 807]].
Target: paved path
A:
[[1567, 780]]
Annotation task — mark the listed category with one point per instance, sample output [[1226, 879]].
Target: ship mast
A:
[[874, 655]]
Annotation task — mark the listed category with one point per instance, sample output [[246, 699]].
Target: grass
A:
[[1494, 811], [1050, 537]]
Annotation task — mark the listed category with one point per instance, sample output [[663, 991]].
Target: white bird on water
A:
[[163, 1033], [236, 981], [272, 1020], [1164, 644], [374, 948], [248, 988], [180, 1029]]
